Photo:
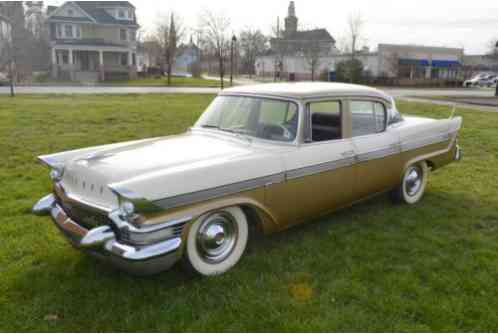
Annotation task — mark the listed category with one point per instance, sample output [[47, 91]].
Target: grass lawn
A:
[[175, 81], [485, 101], [375, 267]]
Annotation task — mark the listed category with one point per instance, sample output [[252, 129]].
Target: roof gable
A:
[[92, 12], [70, 11]]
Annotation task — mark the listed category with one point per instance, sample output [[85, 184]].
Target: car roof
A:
[[306, 90]]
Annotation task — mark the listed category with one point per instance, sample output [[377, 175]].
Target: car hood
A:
[[167, 167]]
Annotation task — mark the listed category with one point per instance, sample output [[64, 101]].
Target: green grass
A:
[[485, 100], [175, 81], [375, 267]]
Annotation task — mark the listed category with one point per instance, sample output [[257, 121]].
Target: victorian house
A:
[[93, 40]]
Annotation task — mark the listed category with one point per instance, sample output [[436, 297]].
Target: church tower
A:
[[291, 20]]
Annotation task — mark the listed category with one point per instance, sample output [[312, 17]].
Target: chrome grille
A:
[[85, 217], [125, 237]]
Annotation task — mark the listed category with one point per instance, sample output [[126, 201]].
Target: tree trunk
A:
[[496, 91], [12, 78], [222, 83]]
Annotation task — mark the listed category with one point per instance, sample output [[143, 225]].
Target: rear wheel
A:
[[216, 242], [412, 188]]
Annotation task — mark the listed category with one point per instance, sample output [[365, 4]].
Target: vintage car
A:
[[261, 158]]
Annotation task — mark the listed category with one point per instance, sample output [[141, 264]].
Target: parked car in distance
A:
[[263, 157], [481, 80]]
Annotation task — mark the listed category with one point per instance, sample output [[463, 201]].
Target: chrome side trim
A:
[[379, 154], [203, 195], [321, 168]]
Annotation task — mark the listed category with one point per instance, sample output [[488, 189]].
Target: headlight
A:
[[57, 173], [127, 208]]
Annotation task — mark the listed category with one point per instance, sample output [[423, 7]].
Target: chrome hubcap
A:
[[217, 237], [413, 181]]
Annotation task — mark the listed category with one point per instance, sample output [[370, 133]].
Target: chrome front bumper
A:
[[103, 243]]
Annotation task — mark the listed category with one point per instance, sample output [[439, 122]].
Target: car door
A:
[[319, 174], [377, 149]]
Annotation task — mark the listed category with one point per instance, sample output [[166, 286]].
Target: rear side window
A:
[[368, 118], [326, 121]]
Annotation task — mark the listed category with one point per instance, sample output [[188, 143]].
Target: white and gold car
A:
[[263, 157]]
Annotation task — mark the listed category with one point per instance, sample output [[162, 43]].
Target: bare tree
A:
[[216, 33], [252, 44], [279, 47], [169, 33], [6, 49], [355, 35], [313, 56]]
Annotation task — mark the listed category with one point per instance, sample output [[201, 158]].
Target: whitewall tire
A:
[[216, 242], [413, 185]]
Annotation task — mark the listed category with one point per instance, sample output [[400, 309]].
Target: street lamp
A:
[[234, 40]]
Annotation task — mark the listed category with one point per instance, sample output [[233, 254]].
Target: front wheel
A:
[[412, 188], [216, 242]]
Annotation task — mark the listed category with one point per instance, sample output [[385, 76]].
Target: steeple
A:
[[291, 20]]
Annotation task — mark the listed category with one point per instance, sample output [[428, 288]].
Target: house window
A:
[[121, 13], [124, 59], [134, 59], [133, 35], [70, 12], [122, 34], [68, 31], [58, 31]]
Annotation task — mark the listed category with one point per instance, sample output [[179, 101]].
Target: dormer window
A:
[[70, 12], [123, 14]]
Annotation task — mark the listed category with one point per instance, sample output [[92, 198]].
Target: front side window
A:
[[368, 118], [254, 117], [326, 120]]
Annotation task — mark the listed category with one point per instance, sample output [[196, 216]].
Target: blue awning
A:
[[445, 63], [414, 62]]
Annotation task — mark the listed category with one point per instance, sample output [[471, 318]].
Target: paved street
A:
[[420, 95]]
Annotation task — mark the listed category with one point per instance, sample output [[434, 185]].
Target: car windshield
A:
[[262, 118]]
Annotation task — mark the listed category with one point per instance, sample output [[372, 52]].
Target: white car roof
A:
[[306, 90]]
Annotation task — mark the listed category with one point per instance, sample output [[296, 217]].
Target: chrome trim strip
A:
[[379, 154], [203, 195], [320, 168]]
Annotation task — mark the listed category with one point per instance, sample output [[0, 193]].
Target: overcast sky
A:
[[468, 24]]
